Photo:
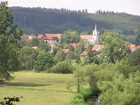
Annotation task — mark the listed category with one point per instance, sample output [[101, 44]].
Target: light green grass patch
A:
[[39, 88]]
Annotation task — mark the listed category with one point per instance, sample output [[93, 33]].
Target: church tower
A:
[[95, 35]]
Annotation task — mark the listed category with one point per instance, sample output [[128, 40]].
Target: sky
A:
[[128, 6]]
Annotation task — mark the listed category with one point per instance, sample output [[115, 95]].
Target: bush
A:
[[62, 67], [44, 61], [86, 93], [78, 100]]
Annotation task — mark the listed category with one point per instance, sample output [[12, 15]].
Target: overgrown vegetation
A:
[[114, 79], [111, 84]]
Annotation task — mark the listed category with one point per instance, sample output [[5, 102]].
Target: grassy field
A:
[[39, 88]]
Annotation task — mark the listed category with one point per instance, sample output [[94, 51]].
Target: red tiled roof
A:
[[40, 36], [84, 53], [132, 47], [97, 48], [86, 37], [30, 37], [66, 50], [52, 36]]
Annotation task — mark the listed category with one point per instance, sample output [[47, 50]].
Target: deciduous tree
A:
[[44, 61], [70, 36], [115, 49], [9, 42]]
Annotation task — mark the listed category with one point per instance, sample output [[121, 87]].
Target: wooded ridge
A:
[[41, 20]]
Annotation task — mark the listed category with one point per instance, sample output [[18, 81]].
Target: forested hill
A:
[[37, 20]]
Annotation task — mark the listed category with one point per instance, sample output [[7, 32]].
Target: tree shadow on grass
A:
[[67, 91], [25, 84]]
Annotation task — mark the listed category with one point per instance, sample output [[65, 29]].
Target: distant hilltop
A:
[[38, 20]]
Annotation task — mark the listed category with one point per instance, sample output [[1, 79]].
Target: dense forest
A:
[[41, 20]]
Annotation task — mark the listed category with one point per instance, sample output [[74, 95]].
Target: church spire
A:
[[95, 35], [95, 28]]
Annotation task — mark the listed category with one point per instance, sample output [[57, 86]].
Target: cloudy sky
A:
[[128, 6]]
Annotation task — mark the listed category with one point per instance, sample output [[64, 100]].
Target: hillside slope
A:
[[37, 20]]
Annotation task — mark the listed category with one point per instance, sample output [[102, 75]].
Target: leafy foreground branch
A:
[[10, 100]]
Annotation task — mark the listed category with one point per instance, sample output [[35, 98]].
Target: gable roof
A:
[[133, 47], [30, 37], [49, 36], [66, 50], [84, 53], [97, 48], [40, 36], [86, 37]]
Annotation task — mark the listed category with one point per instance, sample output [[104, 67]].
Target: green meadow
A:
[[39, 88]]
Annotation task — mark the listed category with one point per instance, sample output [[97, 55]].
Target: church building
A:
[[92, 39]]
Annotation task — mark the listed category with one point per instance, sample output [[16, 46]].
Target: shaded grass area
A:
[[39, 88], [25, 84]]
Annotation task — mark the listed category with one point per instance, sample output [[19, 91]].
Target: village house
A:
[[49, 38], [94, 39], [96, 48], [52, 38], [29, 37], [133, 47]]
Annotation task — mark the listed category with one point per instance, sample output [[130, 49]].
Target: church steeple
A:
[[95, 32], [95, 35], [95, 28]]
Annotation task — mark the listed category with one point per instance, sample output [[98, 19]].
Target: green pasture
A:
[[40, 88]]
